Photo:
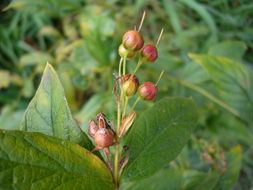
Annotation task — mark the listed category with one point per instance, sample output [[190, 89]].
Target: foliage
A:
[[206, 52]]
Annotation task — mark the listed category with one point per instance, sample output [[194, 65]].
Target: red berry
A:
[[92, 128], [148, 91], [149, 53], [104, 138], [124, 52], [133, 40]]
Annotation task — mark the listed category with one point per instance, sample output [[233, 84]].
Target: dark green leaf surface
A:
[[195, 180], [158, 136], [48, 112], [165, 179], [36, 161], [232, 82]]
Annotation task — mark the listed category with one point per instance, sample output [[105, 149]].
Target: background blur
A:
[[81, 38]]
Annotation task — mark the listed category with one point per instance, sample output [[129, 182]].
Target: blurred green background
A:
[[80, 38]]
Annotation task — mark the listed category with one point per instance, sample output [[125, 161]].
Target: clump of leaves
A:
[[50, 150]]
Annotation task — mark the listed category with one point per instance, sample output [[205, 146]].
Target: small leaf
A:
[[35, 58], [232, 82], [10, 117], [48, 112], [158, 136], [36, 161]]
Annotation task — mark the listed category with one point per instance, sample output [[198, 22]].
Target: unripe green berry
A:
[[133, 40], [123, 52], [148, 91], [129, 88]]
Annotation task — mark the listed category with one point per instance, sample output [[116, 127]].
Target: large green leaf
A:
[[169, 178], [37, 161], [232, 82], [48, 112], [158, 136]]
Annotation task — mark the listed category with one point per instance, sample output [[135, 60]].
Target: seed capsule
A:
[[148, 91], [133, 40], [92, 128], [129, 88], [104, 138], [130, 84], [149, 53]]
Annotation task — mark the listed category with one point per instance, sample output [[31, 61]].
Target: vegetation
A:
[[198, 131]]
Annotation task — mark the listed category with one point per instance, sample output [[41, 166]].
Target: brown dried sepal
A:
[[127, 123]]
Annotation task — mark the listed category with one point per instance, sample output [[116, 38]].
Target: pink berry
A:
[[148, 91], [149, 53], [133, 40]]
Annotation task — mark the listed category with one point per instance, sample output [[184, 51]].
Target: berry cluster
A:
[[133, 42], [127, 85]]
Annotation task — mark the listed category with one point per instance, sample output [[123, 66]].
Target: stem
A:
[[137, 67], [159, 38], [142, 19], [120, 66], [117, 151], [125, 106], [135, 103], [124, 65], [160, 76]]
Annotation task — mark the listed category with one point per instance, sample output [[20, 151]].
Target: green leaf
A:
[[158, 136], [229, 178], [230, 49], [199, 180], [232, 82], [36, 161], [10, 117], [35, 58], [48, 112], [165, 179]]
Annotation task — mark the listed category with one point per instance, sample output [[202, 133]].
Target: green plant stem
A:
[[125, 106], [140, 62], [117, 150], [124, 65], [135, 103], [120, 66]]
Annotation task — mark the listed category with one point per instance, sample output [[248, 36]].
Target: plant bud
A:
[[133, 40], [123, 52], [149, 53], [92, 128], [104, 137], [148, 91]]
